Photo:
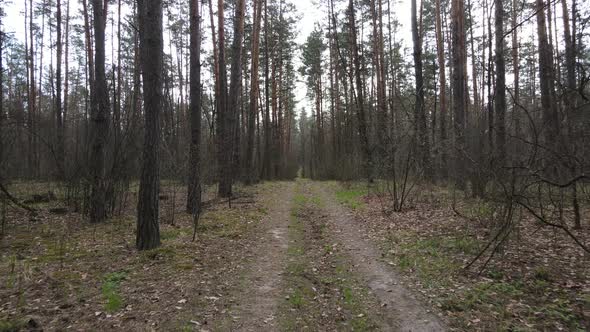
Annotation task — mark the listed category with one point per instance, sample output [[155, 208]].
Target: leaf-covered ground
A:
[[59, 272], [298, 245], [538, 280]]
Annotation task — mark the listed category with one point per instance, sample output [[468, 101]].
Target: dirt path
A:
[[257, 305], [399, 307]]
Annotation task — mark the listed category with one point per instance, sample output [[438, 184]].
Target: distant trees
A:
[[312, 69], [488, 99]]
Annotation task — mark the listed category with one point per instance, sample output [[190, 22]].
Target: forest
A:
[[289, 165]]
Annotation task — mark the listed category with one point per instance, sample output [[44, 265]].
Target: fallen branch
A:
[[15, 201]]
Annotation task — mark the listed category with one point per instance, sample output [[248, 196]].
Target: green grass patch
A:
[[430, 258], [228, 223], [110, 290], [13, 325], [296, 299], [351, 197], [494, 294], [60, 250], [559, 310], [172, 233], [160, 253]]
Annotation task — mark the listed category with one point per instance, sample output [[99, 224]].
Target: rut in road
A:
[[399, 307], [257, 307]]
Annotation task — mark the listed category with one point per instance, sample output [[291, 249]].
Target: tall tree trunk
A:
[[31, 94], [230, 109], [39, 91], [99, 118], [215, 54], [66, 81], [223, 133], [58, 106], [443, 87], [151, 45], [363, 130], [516, 70], [266, 167], [420, 130], [193, 203], [458, 52], [500, 94], [118, 83], [546, 77], [253, 107], [571, 101], [379, 66], [1, 101], [89, 46]]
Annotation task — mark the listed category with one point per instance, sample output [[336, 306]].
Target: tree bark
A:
[[31, 94], [223, 132], [230, 109], [500, 94], [516, 69], [571, 101], [250, 176], [420, 130], [151, 60], [379, 71], [266, 167], [89, 46], [442, 89], [546, 77], [193, 204], [458, 52], [363, 130], [58, 100], [66, 81], [99, 119]]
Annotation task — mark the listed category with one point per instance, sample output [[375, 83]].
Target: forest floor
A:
[[288, 256]]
